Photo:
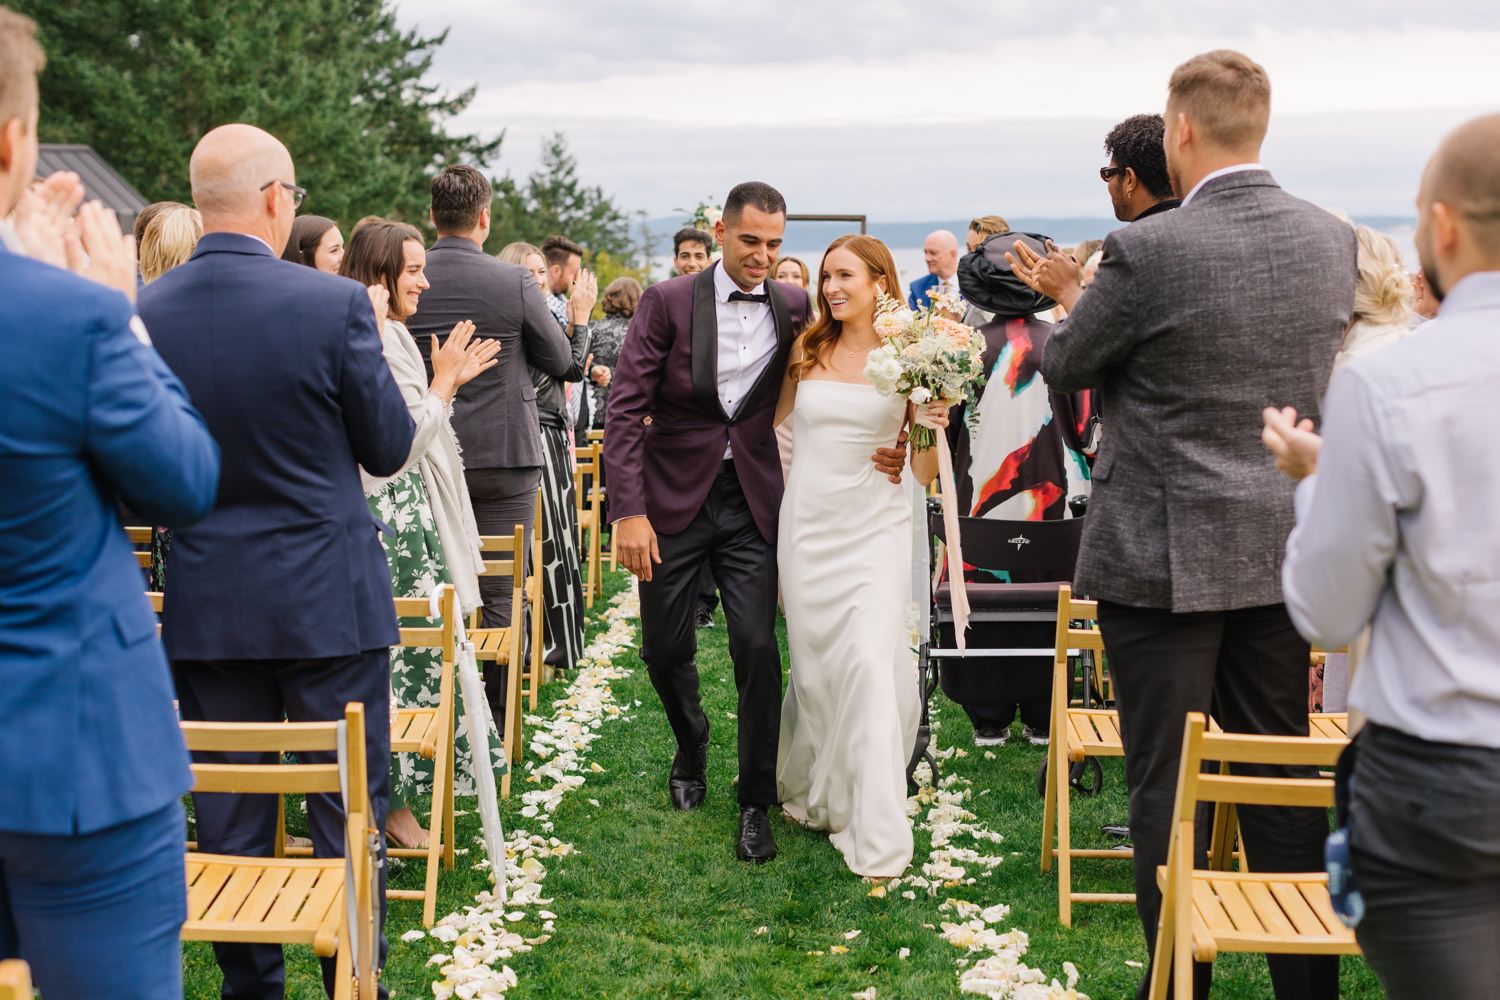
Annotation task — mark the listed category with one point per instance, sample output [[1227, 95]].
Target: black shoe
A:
[[991, 735], [757, 843], [688, 781], [705, 618]]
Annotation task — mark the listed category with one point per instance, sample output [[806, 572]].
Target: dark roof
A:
[[99, 179]]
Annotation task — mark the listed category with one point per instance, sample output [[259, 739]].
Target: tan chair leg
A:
[[1064, 843], [1049, 801]]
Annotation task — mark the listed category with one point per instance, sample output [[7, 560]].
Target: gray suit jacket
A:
[[495, 414], [1197, 320]]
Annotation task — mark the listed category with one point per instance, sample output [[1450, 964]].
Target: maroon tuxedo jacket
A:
[[665, 432]]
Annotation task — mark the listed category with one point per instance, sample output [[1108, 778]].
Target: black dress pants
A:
[[1249, 667], [725, 537], [503, 499], [1424, 824], [301, 691]]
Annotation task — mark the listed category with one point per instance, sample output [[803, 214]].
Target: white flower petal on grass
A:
[[411, 936], [904, 954], [851, 935], [762, 930]]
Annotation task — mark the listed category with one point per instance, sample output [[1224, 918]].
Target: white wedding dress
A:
[[849, 719]]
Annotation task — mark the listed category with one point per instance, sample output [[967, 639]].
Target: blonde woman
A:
[[1382, 297], [168, 240]]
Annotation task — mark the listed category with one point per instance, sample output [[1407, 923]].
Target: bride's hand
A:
[[933, 415]]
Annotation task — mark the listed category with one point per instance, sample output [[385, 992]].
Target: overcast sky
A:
[[922, 109]]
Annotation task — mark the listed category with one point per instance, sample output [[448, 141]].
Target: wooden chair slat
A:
[[421, 638], [267, 891], [1267, 910], [1209, 908], [1241, 913], [1315, 895], [1244, 748], [227, 903], [258, 779], [293, 895], [1296, 909], [1244, 790], [325, 893], [204, 888], [264, 737]]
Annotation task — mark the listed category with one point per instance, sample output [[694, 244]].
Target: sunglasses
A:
[[298, 193], [1106, 173]]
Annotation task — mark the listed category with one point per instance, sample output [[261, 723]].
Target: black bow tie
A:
[[738, 296]]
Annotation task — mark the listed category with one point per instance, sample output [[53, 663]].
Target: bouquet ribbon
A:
[[948, 496]]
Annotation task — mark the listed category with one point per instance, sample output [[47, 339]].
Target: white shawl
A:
[[434, 451]]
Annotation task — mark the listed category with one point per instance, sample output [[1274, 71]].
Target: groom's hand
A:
[[891, 462], [635, 546]]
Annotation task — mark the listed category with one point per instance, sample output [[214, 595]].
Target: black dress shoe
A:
[[688, 781], [757, 843]]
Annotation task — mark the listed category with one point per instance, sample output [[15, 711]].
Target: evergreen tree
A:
[[336, 80], [554, 200]]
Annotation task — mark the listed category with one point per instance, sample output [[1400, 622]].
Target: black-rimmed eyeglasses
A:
[[1106, 174], [298, 193]]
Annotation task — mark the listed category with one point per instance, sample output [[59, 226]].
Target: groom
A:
[[695, 480]]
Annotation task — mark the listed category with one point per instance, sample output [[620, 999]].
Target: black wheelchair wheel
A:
[[1086, 777]]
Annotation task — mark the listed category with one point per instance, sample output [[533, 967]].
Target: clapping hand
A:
[[1056, 275], [1292, 442], [460, 358], [581, 298], [380, 298], [601, 375], [44, 217], [100, 252]]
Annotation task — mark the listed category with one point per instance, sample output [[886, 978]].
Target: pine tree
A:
[[554, 200], [336, 80]]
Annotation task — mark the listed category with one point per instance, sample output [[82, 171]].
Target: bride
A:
[[849, 718]]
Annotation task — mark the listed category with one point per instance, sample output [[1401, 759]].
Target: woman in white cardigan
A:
[[1382, 297], [434, 539]]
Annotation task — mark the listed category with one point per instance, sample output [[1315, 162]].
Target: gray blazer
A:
[[1197, 320], [495, 414]]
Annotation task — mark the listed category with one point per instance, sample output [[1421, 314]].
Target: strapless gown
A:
[[849, 718]]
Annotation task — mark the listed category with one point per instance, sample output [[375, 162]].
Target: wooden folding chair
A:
[[533, 678], [15, 980], [428, 731], [504, 646], [588, 497], [1205, 912], [140, 544], [327, 904], [597, 437], [1076, 735]]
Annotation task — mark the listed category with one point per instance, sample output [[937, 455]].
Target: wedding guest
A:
[[1393, 532], [572, 294], [607, 336], [316, 242], [940, 251], [1086, 249], [692, 251], [1137, 177], [144, 216], [1190, 326], [1090, 269], [982, 228], [495, 415], [280, 600], [1382, 298], [1024, 462], [168, 240], [92, 882], [792, 271], [527, 256], [435, 539]]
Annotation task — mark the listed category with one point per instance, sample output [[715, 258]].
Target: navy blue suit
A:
[[917, 298], [279, 602], [92, 765]]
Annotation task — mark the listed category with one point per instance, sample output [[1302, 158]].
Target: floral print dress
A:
[[417, 566]]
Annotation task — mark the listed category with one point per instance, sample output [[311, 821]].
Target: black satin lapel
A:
[[706, 345], [770, 378]]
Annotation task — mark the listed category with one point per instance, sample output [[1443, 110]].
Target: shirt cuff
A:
[[1303, 497]]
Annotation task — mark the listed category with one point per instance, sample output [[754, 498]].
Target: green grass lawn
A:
[[653, 902]]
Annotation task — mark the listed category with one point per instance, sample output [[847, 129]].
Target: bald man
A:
[[940, 250], [1396, 530], [278, 604]]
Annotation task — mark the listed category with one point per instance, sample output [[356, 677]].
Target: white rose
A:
[[920, 395]]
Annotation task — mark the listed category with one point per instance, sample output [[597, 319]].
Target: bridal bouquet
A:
[[926, 355]]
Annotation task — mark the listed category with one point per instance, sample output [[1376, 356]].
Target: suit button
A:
[[646, 421]]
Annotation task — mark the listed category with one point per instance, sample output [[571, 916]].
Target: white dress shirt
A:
[[747, 342], [1222, 171], [1398, 527]]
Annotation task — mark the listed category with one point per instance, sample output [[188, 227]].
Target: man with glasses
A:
[[278, 604]]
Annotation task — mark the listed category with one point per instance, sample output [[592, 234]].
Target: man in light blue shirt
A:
[[1397, 529]]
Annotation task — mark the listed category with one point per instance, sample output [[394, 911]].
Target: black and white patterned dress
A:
[[562, 573]]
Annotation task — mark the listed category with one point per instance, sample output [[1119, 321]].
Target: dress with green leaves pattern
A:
[[417, 566]]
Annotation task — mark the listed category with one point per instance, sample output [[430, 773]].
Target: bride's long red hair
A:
[[818, 339]]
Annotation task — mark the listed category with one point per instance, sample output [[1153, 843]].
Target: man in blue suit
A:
[[92, 764], [940, 251], [279, 602]]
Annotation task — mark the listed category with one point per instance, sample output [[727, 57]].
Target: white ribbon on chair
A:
[[948, 495], [477, 722]]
